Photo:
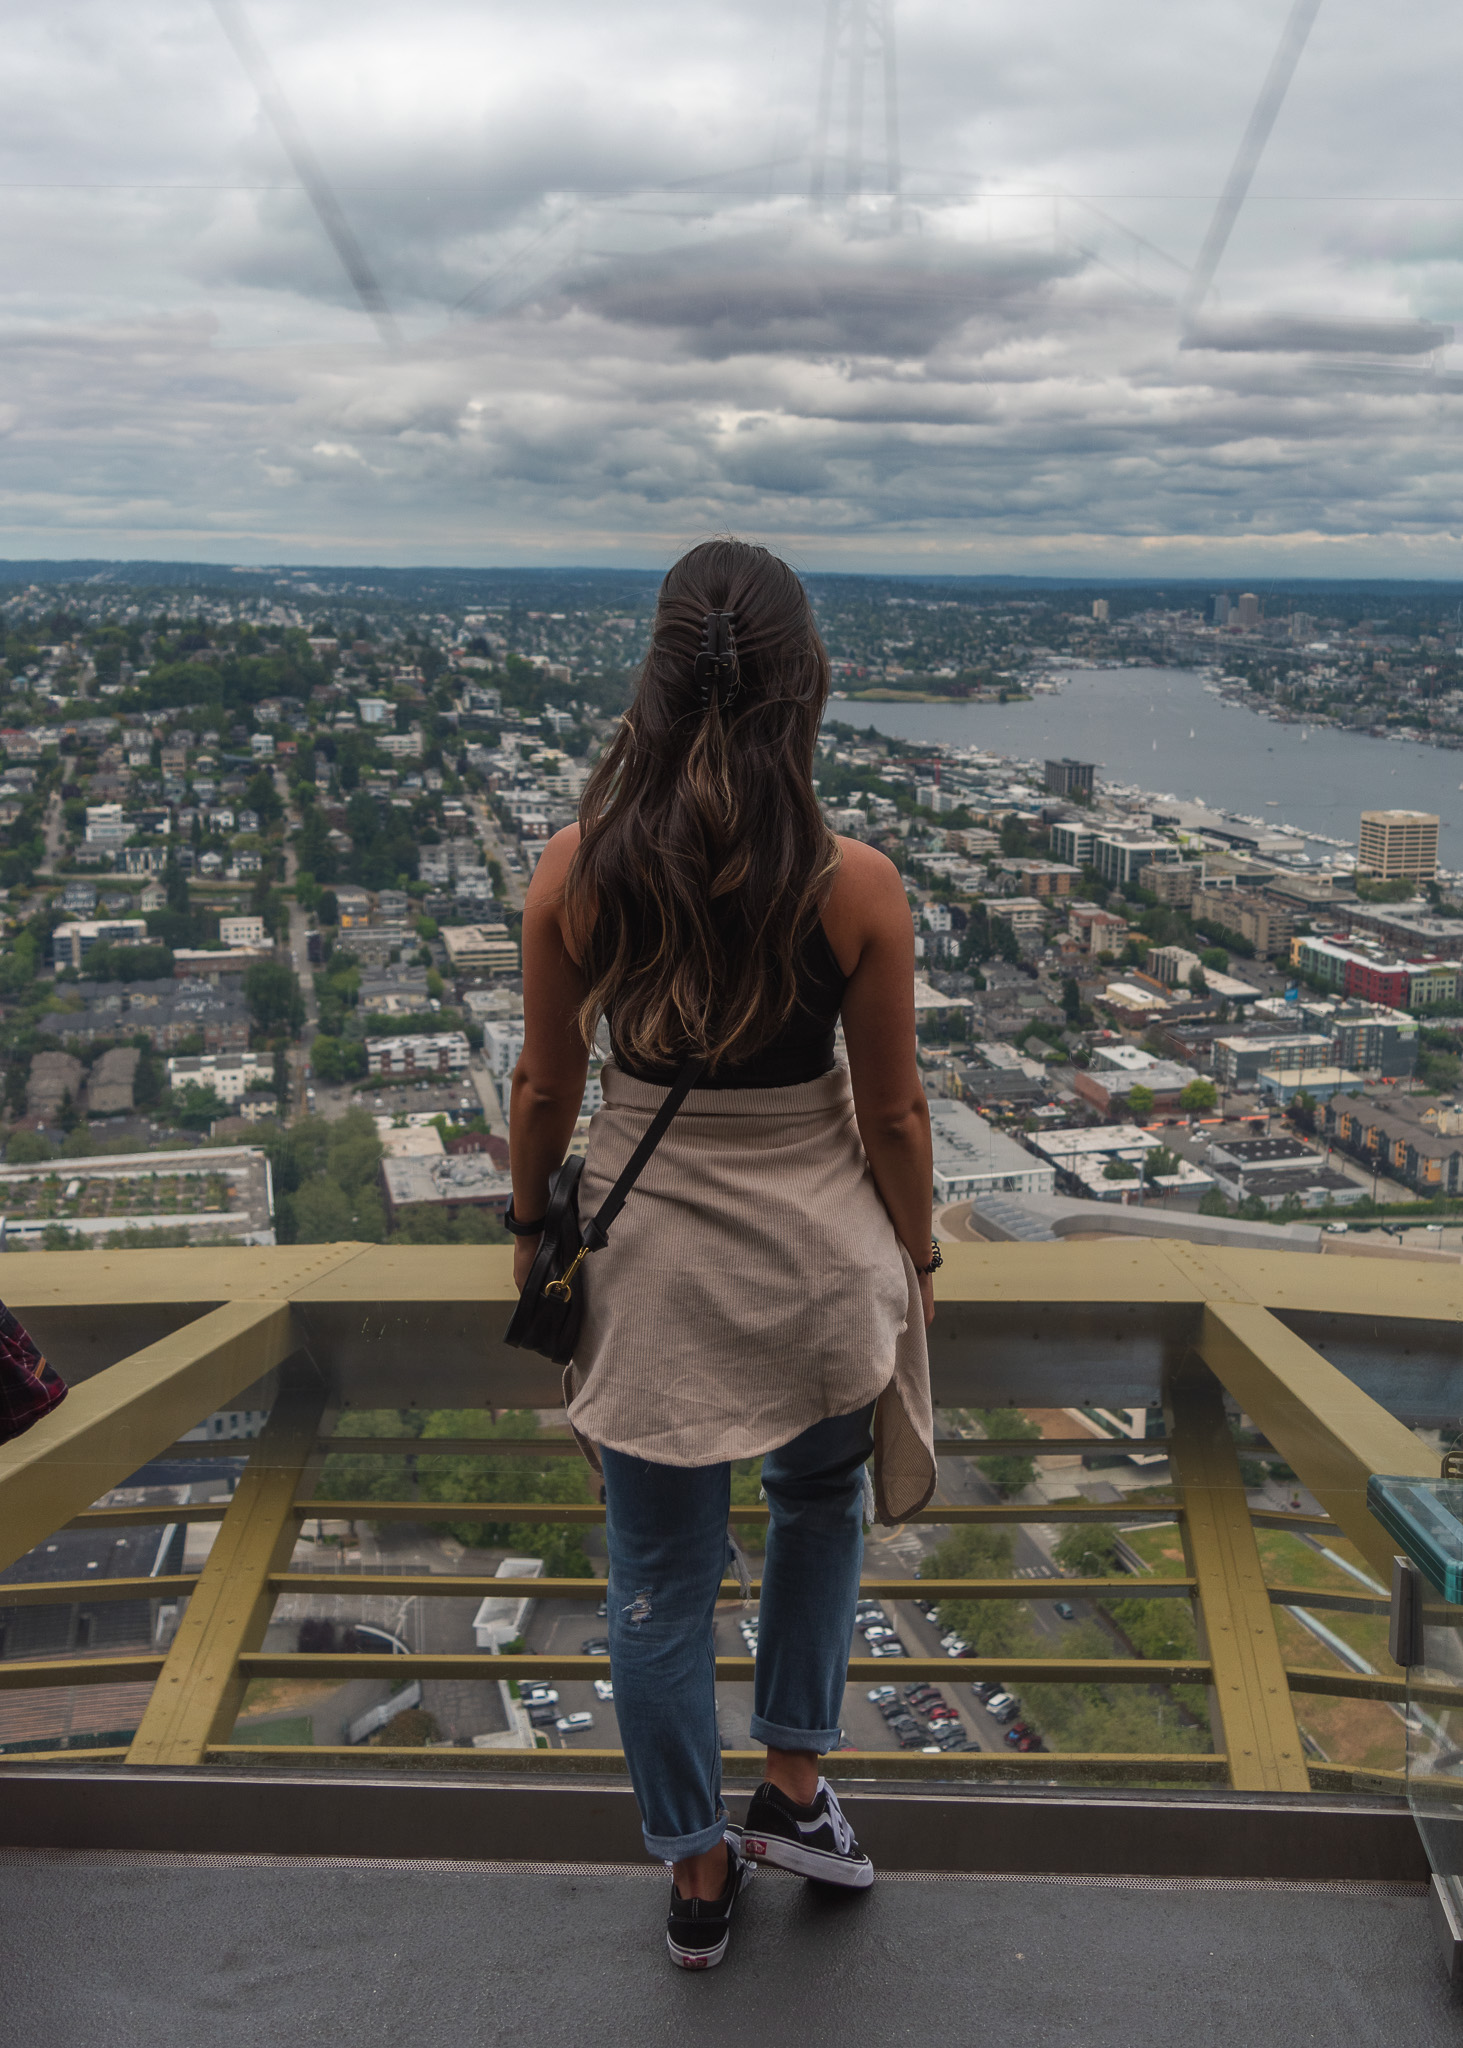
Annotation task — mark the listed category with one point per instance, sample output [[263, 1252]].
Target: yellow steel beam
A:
[[198, 1694], [861, 1670], [467, 1586], [1248, 1687], [566, 1446], [29, 1674], [113, 1423], [557, 1511], [64, 1592], [1333, 1602], [144, 1517], [1319, 1421], [1091, 1768], [61, 1756], [1114, 1272]]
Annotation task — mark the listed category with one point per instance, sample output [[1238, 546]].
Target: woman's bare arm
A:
[[548, 1082], [869, 926]]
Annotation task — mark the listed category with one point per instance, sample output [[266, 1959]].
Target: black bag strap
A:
[[596, 1232]]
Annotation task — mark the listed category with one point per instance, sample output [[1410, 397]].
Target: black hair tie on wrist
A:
[[716, 664], [937, 1259], [518, 1229]]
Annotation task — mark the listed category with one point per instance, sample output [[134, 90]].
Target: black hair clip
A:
[[716, 664]]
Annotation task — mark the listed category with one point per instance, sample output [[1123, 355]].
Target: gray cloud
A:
[[623, 326]]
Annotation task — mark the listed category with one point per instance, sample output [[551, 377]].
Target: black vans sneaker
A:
[[697, 1930], [814, 1840]]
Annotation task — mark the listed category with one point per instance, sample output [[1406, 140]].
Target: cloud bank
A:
[[622, 324]]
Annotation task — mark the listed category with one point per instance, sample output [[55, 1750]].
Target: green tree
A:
[[337, 1059], [1216, 958], [272, 992], [555, 1480], [1199, 1095], [1010, 1470], [1160, 1161], [1089, 1549], [28, 1148], [1072, 1000], [1198, 984], [1119, 1169], [323, 1212], [1140, 1102], [196, 1107]]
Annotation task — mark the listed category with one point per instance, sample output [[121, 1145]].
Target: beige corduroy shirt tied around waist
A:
[[753, 1285]]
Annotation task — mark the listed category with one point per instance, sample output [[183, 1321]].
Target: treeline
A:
[[555, 1480], [1120, 1719]]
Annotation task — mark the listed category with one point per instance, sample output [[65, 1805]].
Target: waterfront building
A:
[[1070, 778], [1398, 844]]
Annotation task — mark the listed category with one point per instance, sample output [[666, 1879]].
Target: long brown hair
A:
[[704, 858]]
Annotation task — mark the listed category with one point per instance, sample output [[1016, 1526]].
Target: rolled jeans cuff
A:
[[773, 1736], [676, 1848]]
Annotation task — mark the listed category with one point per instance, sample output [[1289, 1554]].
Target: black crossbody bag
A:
[[551, 1306]]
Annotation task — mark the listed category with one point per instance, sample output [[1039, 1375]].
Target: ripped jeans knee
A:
[[637, 1610]]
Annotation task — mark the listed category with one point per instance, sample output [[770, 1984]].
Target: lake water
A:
[[1162, 730]]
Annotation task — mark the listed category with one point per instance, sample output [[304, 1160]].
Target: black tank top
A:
[[801, 1051]]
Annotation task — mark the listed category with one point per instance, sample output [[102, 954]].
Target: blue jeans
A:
[[666, 1530]]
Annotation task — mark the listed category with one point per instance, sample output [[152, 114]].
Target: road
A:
[[496, 847]]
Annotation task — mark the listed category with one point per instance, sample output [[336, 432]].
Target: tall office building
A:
[[1397, 844], [1070, 778], [1219, 609], [1099, 610], [1249, 608]]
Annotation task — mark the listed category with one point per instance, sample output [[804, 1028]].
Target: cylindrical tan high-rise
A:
[[1399, 845]]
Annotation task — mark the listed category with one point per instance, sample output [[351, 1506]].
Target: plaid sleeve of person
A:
[[29, 1388]]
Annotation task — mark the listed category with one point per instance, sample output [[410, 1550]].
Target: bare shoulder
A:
[[547, 885], [866, 903]]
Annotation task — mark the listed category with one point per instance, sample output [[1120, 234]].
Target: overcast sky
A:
[[621, 326]]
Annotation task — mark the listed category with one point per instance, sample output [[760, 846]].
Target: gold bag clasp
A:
[[563, 1287]]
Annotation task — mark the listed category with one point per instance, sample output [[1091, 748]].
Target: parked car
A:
[[928, 1693], [604, 1688], [1065, 1611], [1003, 1707], [877, 1693], [602, 1612], [876, 1631], [1029, 1743], [984, 1689], [936, 1715], [542, 1715], [957, 1647], [950, 1738], [910, 1738], [571, 1724], [890, 1649], [594, 1646], [533, 1693]]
